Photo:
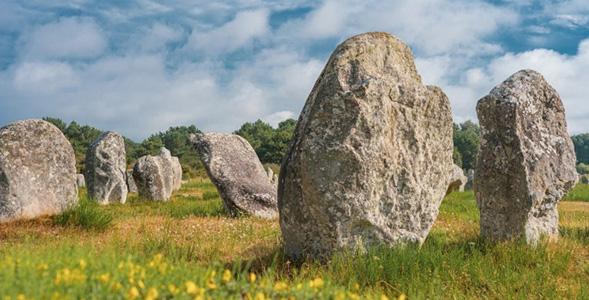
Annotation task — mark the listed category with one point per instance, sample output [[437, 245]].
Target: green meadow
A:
[[187, 248]]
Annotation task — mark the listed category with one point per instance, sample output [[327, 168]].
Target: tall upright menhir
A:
[[371, 156], [526, 160]]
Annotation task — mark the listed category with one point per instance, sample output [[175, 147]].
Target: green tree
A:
[[581, 143], [466, 143], [57, 122], [270, 144]]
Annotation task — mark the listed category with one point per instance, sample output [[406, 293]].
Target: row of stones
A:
[[38, 173], [371, 157], [153, 177]]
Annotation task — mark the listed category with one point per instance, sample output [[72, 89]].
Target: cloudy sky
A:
[[141, 66]]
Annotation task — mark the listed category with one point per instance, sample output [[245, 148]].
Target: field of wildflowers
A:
[[188, 249]]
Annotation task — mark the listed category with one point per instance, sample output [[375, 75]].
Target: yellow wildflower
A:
[[141, 284], [21, 297], [226, 276], [356, 287], [299, 286], [402, 297], [191, 287], [384, 297], [353, 296], [316, 283], [260, 296], [173, 289], [162, 268], [211, 285], [104, 278], [279, 286], [83, 264], [340, 296], [42, 267], [252, 277], [133, 293], [116, 286], [151, 294]]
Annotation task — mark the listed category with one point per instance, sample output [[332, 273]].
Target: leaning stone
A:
[[526, 160], [80, 181], [457, 181], [131, 186], [37, 170], [238, 174], [106, 163], [371, 156]]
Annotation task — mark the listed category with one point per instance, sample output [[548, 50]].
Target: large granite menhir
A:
[[154, 176], [238, 174], [526, 160], [371, 157], [106, 164], [37, 170]]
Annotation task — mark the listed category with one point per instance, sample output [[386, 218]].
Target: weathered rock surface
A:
[[154, 176], [167, 170], [457, 181], [526, 160], [80, 180], [37, 170], [371, 157], [238, 174], [177, 170], [106, 162], [131, 186]]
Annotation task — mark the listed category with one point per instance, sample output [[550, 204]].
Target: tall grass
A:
[[85, 214]]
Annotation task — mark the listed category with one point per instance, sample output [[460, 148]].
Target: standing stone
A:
[[177, 170], [469, 180], [371, 156], [37, 170], [154, 176], [269, 173], [131, 186], [80, 181], [275, 180], [526, 160], [238, 174], [457, 181], [106, 162]]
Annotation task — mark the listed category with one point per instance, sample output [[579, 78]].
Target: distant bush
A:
[[85, 214]]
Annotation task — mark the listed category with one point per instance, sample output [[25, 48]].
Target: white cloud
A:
[[239, 32], [158, 35], [67, 38], [566, 73]]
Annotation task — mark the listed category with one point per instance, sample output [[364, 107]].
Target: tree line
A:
[[269, 143]]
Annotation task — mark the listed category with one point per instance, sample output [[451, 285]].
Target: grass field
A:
[[188, 249]]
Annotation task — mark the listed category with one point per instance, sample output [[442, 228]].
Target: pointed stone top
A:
[[377, 55]]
